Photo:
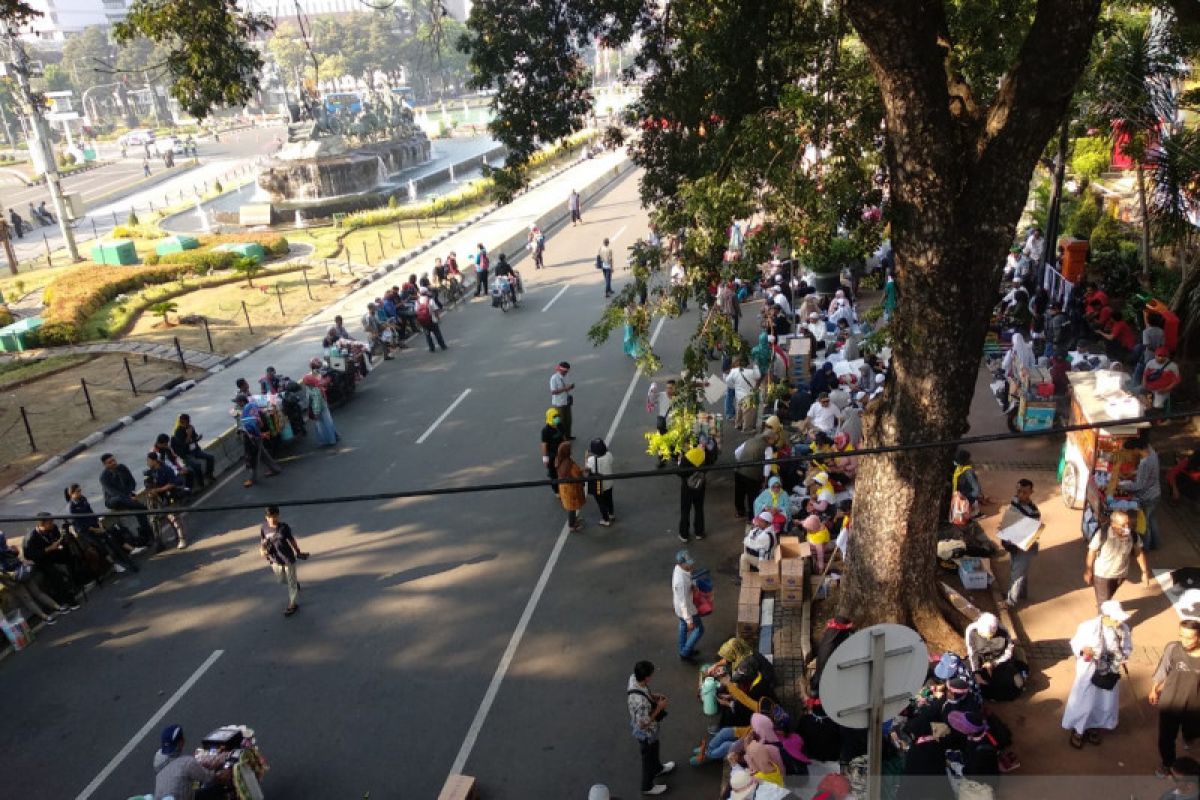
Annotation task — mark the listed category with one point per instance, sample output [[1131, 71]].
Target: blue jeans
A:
[[720, 744], [1019, 574], [607, 280], [730, 404], [687, 640]]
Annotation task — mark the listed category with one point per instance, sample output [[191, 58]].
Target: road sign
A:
[[869, 679]]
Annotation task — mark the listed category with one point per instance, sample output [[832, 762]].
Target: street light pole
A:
[[39, 141]]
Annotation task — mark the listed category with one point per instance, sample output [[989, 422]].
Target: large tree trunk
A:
[[1145, 214], [959, 179]]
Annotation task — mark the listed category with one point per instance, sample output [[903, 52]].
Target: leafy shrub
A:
[[1092, 156], [6, 317], [132, 219], [393, 202], [56, 334], [78, 293], [278, 246], [1108, 234], [217, 187], [201, 262], [138, 232], [1084, 218], [151, 259]]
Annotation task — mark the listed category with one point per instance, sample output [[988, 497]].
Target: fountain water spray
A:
[[205, 225], [412, 192], [452, 178], [300, 222]]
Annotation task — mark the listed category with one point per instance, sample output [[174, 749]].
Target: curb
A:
[[545, 221]]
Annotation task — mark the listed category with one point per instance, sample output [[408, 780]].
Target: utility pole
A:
[[39, 141]]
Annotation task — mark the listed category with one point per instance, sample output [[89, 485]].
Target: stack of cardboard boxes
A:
[[781, 579]]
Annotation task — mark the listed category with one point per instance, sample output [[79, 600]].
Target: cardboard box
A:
[[768, 573], [751, 579], [789, 548], [791, 597], [749, 596], [748, 622], [791, 574], [972, 575]]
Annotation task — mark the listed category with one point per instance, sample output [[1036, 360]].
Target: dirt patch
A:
[[57, 409]]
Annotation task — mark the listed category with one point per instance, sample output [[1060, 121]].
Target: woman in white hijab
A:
[[1101, 645], [1020, 357], [851, 423], [840, 308]]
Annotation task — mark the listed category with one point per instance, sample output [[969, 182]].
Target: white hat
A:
[[599, 792], [742, 784], [1113, 610]]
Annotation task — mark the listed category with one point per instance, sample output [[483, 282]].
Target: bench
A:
[[459, 787]]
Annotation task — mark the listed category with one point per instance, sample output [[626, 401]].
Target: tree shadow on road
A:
[[427, 570]]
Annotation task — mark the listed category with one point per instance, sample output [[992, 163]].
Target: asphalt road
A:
[[408, 607]]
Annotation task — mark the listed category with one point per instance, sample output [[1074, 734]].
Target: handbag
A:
[[696, 481], [599, 262], [1105, 680]]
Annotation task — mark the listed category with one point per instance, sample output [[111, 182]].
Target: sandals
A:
[[1076, 740], [287, 612], [246, 484], [1093, 737]]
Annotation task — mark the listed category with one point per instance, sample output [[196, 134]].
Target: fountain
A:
[[466, 112], [336, 163], [205, 225], [412, 192], [452, 178], [300, 223]]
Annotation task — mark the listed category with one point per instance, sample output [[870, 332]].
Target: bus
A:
[[343, 103], [406, 95]]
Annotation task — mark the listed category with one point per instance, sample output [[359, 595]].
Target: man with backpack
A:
[[760, 541], [482, 263], [646, 712], [428, 318]]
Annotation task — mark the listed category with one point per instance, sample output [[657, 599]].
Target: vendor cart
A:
[[1032, 404], [1093, 460]]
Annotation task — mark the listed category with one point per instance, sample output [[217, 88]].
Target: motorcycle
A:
[[505, 291]]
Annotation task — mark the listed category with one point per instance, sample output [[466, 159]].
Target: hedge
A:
[[138, 232], [201, 261], [77, 294]]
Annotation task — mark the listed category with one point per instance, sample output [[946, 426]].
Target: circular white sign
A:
[[846, 681]]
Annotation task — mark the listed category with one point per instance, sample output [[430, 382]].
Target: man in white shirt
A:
[[781, 300], [560, 397], [663, 406], [679, 285], [691, 628], [1034, 247], [743, 382], [824, 415], [759, 541]]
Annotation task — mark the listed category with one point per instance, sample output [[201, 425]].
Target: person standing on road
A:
[[429, 318], [1175, 692], [146, 167], [743, 382], [691, 627], [1019, 508], [482, 264], [560, 397], [571, 495], [278, 546], [1146, 487], [692, 484], [552, 437], [250, 430], [1108, 555], [604, 260], [1101, 646], [539, 247], [600, 463], [120, 493], [317, 401], [646, 711], [748, 476], [573, 207]]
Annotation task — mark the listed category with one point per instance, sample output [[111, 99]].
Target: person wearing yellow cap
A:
[[552, 437], [692, 483]]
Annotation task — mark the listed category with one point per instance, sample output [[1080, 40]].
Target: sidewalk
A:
[[503, 230]]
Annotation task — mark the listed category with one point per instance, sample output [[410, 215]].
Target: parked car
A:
[[136, 137], [171, 144]]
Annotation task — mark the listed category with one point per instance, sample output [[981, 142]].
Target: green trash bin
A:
[[176, 244], [245, 249], [14, 338], [117, 251]]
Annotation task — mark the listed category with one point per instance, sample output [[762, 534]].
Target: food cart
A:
[[1093, 461], [1032, 402]]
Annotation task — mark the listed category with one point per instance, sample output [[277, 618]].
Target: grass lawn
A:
[[58, 413], [14, 372], [222, 305]]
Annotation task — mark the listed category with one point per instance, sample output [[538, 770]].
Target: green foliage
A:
[[201, 263], [212, 60], [1084, 218], [132, 220], [393, 202], [1118, 269], [83, 55], [278, 246], [137, 231], [827, 254], [1091, 157], [217, 187], [57, 334], [248, 268], [150, 259], [1108, 234], [163, 308]]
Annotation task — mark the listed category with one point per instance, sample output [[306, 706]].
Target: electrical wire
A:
[[636, 475]]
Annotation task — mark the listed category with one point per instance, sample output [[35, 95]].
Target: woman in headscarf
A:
[[818, 539], [823, 380], [600, 463], [840, 308], [571, 495], [990, 653], [844, 464], [762, 754], [851, 424], [762, 353], [772, 497], [318, 404], [630, 343], [1020, 356]]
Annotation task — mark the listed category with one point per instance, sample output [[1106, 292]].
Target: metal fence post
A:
[[179, 352], [208, 335], [246, 311], [129, 373], [28, 430], [87, 397], [279, 297]]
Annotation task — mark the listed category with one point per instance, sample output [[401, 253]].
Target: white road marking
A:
[[149, 726], [489, 697], [613, 239], [444, 414], [546, 307]]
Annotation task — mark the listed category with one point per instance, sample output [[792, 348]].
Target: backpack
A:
[[424, 314], [484, 261], [960, 509]]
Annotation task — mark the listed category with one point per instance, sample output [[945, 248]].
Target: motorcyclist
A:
[[503, 270]]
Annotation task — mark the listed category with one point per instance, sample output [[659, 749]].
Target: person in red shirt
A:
[[1121, 339]]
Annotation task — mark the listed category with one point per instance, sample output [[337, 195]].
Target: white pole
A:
[[875, 719]]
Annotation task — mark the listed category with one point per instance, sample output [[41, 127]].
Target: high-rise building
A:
[[62, 18]]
